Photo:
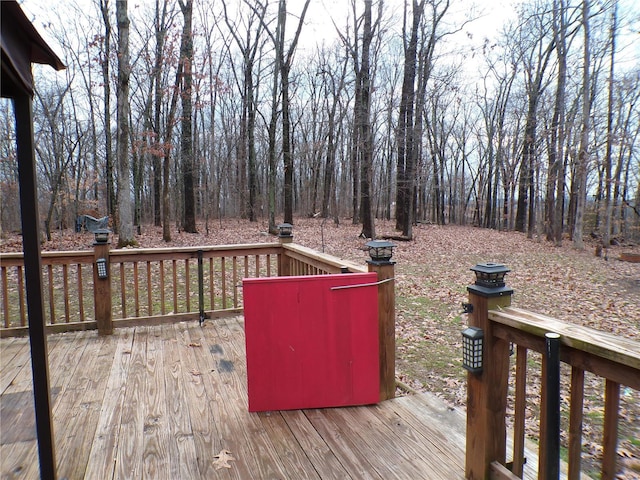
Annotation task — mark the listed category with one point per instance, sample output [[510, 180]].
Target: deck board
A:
[[162, 401]]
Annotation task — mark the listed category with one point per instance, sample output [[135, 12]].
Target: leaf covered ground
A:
[[432, 273]]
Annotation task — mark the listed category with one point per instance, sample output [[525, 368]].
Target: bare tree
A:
[[608, 201], [249, 47], [186, 132], [583, 154], [106, 85], [125, 210]]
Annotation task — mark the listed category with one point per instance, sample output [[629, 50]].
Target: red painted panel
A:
[[309, 346]]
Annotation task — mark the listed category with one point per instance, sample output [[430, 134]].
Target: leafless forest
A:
[[179, 113]]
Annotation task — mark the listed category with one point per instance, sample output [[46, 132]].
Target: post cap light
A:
[[101, 236], [490, 275], [472, 346], [285, 230], [380, 251], [490, 280]]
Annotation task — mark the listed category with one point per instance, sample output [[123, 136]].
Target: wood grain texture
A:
[[162, 401]]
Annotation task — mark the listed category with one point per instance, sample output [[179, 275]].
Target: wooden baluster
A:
[[80, 292], [257, 266], [235, 282], [575, 423], [123, 290], [520, 407], [175, 286], [187, 285], [163, 309], [610, 437], [5, 296], [223, 271], [136, 288], [23, 310], [268, 265], [212, 284], [65, 288], [52, 308], [149, 291]]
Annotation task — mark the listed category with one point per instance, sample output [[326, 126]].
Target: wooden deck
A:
[[163, 401]]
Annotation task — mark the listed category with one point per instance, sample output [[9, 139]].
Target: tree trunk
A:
[[555, 184], [125, 224], [112, 202], [608, 204], [186, 135], [583, 155], [365, 137], [406, 144]]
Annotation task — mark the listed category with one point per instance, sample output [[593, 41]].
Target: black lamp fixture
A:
[[101, 236], [472, 345], [285, 230], [490, 279], [380, 251]]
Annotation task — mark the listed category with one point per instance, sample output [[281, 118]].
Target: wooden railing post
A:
[[487, 391], [285, 236], [386, 325], [102, 283]]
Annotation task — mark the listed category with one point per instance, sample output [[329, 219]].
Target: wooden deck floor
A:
[[162, 402]]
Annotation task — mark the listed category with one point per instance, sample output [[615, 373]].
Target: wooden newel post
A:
[[102, 282], [487, 386], [381, 263], [285, 235]]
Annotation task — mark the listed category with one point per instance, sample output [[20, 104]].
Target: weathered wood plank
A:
[[575, 423], [288, 451], [392, 447], [152, 406], [103, 454], [610, 427], [130, 444], [246, 436], [15, 355], [603, 344], [155, 454], [316, 449], [62, 350], [181, 448], [80, 420], [203, 426], [337, 436]]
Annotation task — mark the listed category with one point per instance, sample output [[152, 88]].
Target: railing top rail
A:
[[151, 254], [68, 256], [624, 351], [324, 258], [204, 248]]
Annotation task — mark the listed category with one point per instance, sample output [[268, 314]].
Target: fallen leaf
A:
[[195, 372], [193, 344], [222, 459]]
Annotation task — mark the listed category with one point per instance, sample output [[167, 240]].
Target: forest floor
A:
[[432, 273]]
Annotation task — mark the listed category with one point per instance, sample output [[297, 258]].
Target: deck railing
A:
[[510, 330], [153, 284], [156, 285]]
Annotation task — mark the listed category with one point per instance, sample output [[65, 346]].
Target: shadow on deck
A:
[[164, 401]]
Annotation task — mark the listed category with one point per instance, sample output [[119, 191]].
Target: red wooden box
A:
[[310, 344]]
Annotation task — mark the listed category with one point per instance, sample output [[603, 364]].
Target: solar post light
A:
[[472, 346], [285, 230], [380, 251]]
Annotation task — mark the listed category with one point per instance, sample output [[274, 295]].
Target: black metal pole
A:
[[201, 287], [33, 274], [552, 403]]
